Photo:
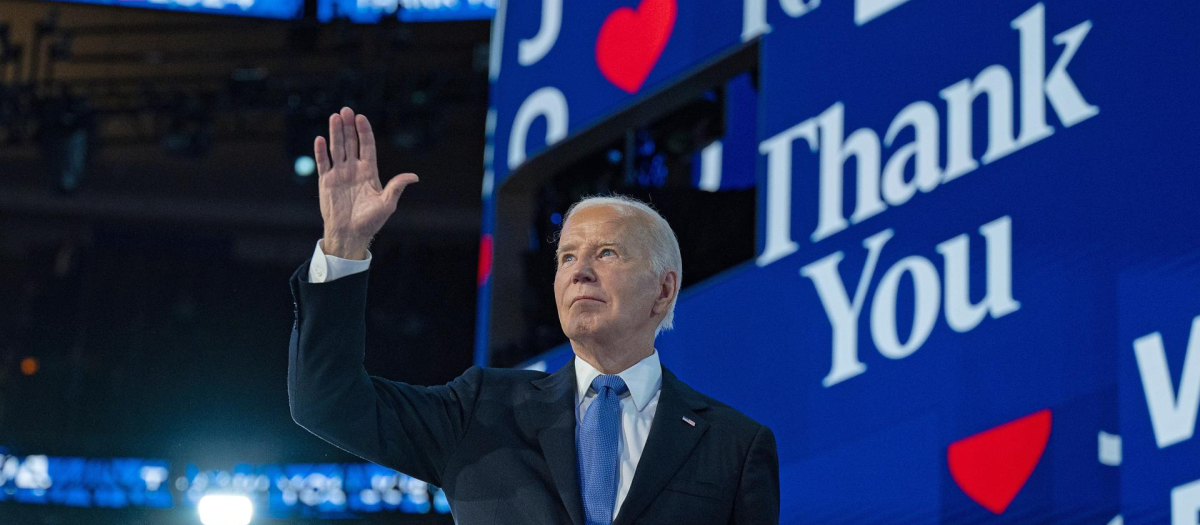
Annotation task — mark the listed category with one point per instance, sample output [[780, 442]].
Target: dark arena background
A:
[[948, 251]]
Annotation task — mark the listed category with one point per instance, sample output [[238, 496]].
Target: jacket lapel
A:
[[552, 417], [669, 444]]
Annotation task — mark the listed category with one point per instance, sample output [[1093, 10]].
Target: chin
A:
[[581, 329]]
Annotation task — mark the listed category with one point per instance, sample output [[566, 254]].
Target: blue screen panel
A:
[[280, 9], [372, 11], [322, 491], [975, 295]]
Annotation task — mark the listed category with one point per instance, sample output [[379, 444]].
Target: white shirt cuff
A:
[[326, 268]]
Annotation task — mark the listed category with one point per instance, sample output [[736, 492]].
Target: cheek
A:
[[630, 297], [645, 291], [560, 290], [559, 286]]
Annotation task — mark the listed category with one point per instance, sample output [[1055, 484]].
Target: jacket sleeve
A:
[[412, 429], [757, 498]]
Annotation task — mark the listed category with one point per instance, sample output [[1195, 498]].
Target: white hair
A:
[[659, 237]]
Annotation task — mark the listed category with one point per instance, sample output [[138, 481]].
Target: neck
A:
[[612, 358]]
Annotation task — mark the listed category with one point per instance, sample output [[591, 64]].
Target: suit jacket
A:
[[501, 442]]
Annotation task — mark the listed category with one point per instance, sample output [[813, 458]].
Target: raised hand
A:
[[354, 204]]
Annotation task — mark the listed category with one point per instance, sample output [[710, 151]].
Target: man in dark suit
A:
[[612, 437]]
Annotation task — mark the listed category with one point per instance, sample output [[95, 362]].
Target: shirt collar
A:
[[644, 379]]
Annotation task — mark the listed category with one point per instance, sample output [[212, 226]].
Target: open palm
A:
[[354, 205]]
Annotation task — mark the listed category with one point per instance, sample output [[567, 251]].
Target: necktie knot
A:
[[613, 382]]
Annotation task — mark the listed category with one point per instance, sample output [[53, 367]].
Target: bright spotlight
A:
[[225, 509], [305, 166]]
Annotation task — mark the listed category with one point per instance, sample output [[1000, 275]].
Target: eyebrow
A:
[[572, 246]]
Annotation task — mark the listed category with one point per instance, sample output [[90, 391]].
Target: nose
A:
[[583, 273]]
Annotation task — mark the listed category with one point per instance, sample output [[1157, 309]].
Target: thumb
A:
[[396, 186]]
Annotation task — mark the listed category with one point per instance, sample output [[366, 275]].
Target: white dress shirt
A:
[[638, 405]]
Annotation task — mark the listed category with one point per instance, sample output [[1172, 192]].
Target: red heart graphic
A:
[[993, 465], [631, 41]]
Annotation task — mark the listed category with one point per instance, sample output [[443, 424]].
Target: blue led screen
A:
[[280, 9], [327, 491], [372, 11], [976, 294]]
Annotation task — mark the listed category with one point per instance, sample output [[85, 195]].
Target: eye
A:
[[567, 258], [607, 251]]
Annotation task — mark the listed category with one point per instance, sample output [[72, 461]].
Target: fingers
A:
[[321, 153], [366, 139], [396, 186], [337, 142], [351, 136]]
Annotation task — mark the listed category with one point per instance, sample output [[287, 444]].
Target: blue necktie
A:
[[599, 433]]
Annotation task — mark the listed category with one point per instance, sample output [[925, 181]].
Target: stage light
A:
[[614, 156], [305, 166], [225, 509], [29, 366]]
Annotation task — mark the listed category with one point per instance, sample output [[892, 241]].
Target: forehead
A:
[[594, 224]]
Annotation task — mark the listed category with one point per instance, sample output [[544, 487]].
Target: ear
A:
[[668, 288]]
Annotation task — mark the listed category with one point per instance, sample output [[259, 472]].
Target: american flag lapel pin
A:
[[688, 421]]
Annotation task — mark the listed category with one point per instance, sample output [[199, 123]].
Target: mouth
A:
[[585, 298]]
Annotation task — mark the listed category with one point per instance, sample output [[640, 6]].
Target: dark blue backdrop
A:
[[1092, 200]]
